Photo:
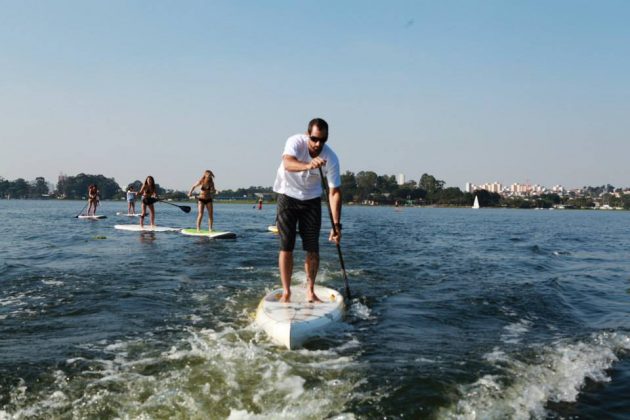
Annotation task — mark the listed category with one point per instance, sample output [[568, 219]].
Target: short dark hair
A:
[[320, 123]]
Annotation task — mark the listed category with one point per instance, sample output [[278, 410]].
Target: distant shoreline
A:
[[250, 202]]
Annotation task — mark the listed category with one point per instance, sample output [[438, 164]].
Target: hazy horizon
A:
[[466, 91]]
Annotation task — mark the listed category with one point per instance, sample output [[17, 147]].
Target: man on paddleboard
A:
[[299, 188]]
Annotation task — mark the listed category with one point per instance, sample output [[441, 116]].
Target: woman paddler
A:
[[149, 197], [206, 184], [93, 199]]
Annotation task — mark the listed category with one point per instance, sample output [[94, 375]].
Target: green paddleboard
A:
[[215, 234]]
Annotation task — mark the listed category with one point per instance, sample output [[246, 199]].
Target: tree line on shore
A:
[[75, 188], [364, 187]]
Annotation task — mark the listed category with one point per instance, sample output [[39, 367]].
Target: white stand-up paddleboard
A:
[[120, 213], [92, 217], [146, 228], [294, 323], [214, 234], [272, 228]]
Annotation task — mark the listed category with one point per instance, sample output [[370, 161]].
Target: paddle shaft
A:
[[84, 207], [334, 228], [185, 209]]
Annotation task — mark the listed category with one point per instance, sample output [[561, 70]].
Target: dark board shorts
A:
[[305, 215]]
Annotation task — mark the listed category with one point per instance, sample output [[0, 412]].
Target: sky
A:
[[468, 91]]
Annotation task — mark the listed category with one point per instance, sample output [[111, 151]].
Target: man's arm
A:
[[334, 198], [291, 164]]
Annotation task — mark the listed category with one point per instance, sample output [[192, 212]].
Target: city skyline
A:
[[459, 90]]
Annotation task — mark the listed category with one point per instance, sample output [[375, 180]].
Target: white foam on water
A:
[[13, 300], [226, 373], [496, 355], [508, 311], [53, 282], [514, 331], [424, 360], [200, 297], [360, 311], [557, 374], [351, 345]]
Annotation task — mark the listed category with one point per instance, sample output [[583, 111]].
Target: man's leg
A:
[[286, 220], [311, 266], [285, 262], [310, 222]]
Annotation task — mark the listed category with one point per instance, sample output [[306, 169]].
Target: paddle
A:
[[185, 209], [343, 266], [77, 216]]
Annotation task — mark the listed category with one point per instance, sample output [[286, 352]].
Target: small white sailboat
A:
[[476, 203]]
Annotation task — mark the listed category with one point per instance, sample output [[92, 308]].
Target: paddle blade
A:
[[185, 209]]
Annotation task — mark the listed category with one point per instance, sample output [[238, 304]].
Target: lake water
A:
[[456, 313]]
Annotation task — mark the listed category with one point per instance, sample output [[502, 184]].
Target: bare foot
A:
[[286, 298], [312, 297]]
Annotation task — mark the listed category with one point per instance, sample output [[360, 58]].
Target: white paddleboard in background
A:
[[146, 228], [293, 324], [215, 234], [120, 213], [93, 217], [272, 228]]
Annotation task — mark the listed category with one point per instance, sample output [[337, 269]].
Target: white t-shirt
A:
[[306, 185]]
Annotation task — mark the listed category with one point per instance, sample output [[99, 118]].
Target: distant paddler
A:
[[299, 188], [131, 200], [93, 199], [206, 185], [149, 195]]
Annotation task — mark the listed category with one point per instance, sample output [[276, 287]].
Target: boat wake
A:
[[232, 373], [556, 373]]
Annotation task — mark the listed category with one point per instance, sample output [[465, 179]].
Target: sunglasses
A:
[[318, 139]]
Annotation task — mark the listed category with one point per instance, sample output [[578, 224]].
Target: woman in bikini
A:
[[205, 198], [149, 197], [92, 200]]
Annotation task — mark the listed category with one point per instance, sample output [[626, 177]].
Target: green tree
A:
[[386, 183], [4, 187], [19, 188], [488, 199], [582, 202], [452, 196], [366, 184], [39, 187], [348, 186], [76, 186], [137, 184], [430, 184]]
